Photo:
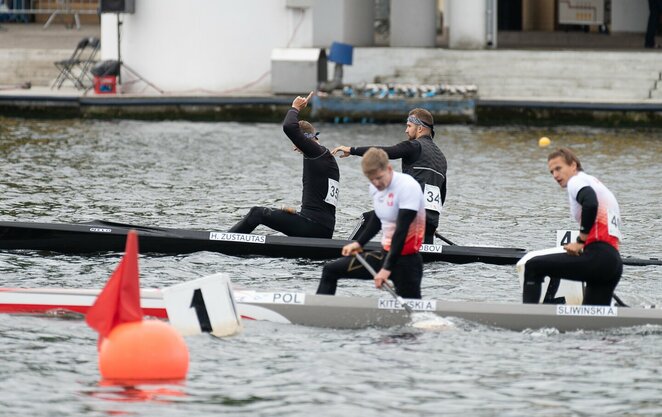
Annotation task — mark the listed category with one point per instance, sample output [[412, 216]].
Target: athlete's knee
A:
[[534, 270], [249, 222], [256, 212]]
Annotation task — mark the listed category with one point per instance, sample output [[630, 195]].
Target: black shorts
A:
[[600, 267]]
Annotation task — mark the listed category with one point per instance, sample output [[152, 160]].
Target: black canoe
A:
[[103, 236]]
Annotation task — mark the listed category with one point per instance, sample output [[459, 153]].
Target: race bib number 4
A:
[[432, 198], [332, 193], [564, 237]]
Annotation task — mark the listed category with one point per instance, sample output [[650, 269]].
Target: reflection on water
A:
[[207, 175], [136, 393]]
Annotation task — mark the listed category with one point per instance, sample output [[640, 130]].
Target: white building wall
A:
[[467, 24], [413, 23], [359, 23], [215, 46], [347, 21]]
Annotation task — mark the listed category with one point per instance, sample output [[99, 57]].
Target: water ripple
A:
[[207, 175]]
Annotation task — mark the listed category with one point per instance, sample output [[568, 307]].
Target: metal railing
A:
[[50, 7]]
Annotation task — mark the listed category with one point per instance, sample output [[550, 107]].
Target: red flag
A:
[[119, 301]]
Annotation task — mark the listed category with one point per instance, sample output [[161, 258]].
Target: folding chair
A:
[[77, 67], [86, 65]]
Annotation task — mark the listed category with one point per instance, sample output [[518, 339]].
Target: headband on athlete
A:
[[415, 120], [311, 135]]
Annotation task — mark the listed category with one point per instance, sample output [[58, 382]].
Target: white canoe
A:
[[351, 312]]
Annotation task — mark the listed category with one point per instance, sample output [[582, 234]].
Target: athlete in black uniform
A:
[[321, 177], [422, 159]]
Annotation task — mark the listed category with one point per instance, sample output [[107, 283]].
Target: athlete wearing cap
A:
[[594, 258], [321, 187], [422, 159], [400, 214]]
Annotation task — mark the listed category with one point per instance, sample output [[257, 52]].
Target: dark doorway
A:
[[509, 15]]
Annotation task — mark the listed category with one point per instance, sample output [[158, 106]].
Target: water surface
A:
[[207, 175]]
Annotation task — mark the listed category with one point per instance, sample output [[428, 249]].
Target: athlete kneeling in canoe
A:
[[594, 258], [321, 177], [422, 159], [400, 214]]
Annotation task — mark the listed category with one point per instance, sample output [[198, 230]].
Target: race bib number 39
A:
[[332, 193], [432, 198]]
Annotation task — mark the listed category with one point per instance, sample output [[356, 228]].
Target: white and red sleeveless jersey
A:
[[607, 226], [403, 192]]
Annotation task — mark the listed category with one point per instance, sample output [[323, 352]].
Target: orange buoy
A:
[[143, 350]]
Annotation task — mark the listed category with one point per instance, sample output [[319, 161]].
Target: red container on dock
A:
[[105, 84]]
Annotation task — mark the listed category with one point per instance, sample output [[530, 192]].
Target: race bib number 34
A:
[[332, 193], [432, 198]]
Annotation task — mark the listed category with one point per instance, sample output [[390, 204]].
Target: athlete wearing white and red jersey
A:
[[594, 258], [400, 214], [606, 227], [400, 194]]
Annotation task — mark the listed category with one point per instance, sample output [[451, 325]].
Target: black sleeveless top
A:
[[430, 167], [423, 160]]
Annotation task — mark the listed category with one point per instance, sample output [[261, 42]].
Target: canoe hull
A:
[[101, 236], [351, 312]]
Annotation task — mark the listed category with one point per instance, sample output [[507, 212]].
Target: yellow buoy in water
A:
[[544, 142]]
